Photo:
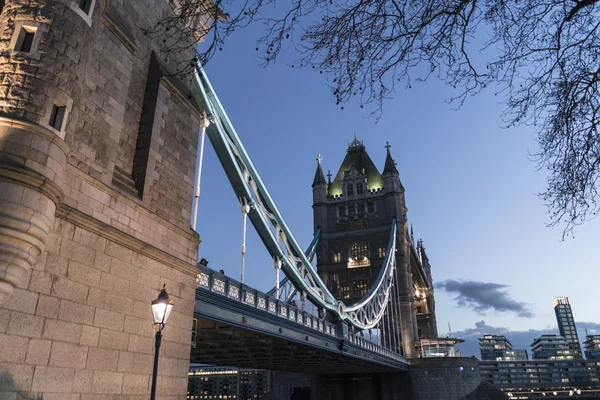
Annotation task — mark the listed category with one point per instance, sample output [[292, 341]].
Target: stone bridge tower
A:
[[97, 157], [354, 212]]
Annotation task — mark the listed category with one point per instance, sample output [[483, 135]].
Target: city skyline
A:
[[469, 187]]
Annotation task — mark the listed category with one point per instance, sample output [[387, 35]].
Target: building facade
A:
[[541, 374], [97, 156], [354, 213], [566, 324], [552, 348], [499, 348], [592, 347], [211, 382]]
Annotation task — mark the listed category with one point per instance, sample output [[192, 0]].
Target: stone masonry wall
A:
[[82, 254]]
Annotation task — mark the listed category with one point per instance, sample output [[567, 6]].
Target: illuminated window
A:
[[359, 188], [381, 252], [337, 256], [359, 250], [349, 190], [345, 292], [361, 288]]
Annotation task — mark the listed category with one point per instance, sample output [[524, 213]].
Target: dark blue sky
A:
[[469, 188]]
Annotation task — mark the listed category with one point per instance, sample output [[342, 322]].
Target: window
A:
[[359, 188], [194, 329], [419, 309], [57, 116], [359, 250], [341, 211], [381, 252], [85, 5], [349, 190], [84, 9], [361, 288], [337, 256], [351, 209], [345, 292], [371, 207], [26, 41]]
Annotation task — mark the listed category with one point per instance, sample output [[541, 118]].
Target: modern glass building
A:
[[553, 348], [499, 348], [566, 324], [592, 347]]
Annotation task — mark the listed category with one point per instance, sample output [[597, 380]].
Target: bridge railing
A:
[[232, 289], [215, 282]]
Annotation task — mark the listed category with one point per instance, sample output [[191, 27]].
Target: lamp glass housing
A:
[[161, 308]]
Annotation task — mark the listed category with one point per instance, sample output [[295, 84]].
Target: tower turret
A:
[[319, 188]]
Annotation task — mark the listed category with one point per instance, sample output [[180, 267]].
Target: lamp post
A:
[[161, 309]]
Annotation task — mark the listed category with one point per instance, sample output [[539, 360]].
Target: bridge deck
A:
[[239, 326]]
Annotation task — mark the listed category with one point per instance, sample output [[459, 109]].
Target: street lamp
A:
[[161, 309]]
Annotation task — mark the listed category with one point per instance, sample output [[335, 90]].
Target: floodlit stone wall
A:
[[84, 248]]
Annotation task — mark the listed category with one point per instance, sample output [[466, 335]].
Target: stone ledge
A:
[[91, 224], [33, 180]]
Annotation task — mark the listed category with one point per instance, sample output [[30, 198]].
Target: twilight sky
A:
[[470, 192]]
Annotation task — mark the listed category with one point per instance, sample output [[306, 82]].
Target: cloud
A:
[[484, 296], [519, 339]]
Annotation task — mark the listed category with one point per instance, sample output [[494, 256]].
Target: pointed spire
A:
[[329, 177], [319, 177], [390, 164], [412, 234]]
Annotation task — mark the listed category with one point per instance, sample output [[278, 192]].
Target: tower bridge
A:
[[99, 143]]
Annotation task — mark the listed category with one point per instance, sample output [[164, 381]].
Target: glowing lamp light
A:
[[161, 308]]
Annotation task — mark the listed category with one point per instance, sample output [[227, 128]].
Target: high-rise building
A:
[[354, 212], [499, 348], [553, 348], [592, 347], [566, 324]]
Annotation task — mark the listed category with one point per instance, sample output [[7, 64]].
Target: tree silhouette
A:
[[541, 56]]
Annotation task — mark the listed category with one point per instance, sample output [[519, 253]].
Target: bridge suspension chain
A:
[[274, 232]]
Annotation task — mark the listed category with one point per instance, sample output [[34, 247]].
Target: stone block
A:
[[114, 284], [136, 362], [141, 344], [102, 262], [102, 359], [75, 312], [22, 300], [89, 239], [82, 381], [107, 382], [21, 324], [118, 303], [83, 274], [68, 355], [131, 324], [4, 318], [61, 396], [96, 297], [14, 349], [40, 282], [62, 331], [120, 252], [109, 319], [56, 264], [110, 339], [69, 290], [48, 306], [90, 336], [124, 270], [75, 251], [52, 379], [21, 376], [135, 384], [38, 352]]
